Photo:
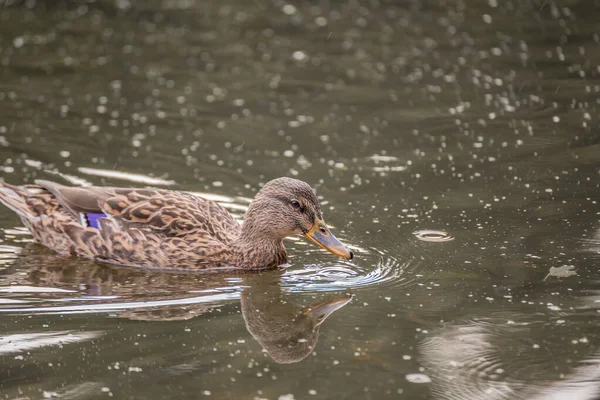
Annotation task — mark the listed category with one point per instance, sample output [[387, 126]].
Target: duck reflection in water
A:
[[288, 332]]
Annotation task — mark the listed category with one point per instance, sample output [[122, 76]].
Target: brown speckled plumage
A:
[[162, 228]]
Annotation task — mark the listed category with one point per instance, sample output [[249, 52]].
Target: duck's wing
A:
[[170, 213]]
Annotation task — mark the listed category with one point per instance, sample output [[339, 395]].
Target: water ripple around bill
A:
[[387, 271]]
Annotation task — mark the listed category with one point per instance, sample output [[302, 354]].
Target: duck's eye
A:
[[295, 203]]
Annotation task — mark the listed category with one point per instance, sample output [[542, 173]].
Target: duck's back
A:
[[141, 227]]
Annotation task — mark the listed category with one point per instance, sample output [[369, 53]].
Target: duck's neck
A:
[[255, 249]]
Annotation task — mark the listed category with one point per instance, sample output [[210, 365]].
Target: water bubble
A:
[[433, 236]]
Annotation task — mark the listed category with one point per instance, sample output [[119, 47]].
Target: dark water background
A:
[[478, 119]]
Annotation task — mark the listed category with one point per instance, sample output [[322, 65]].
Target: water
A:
[[455, 148]]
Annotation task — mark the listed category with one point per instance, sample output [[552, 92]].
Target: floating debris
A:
[[561, 272]]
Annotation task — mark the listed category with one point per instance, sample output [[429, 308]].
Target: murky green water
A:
[[455, 145]]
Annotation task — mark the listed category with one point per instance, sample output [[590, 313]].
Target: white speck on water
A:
[[418, 378], [487, 18], [493, 3], [286, 397], [312, 392], [105, 389], [206, 393], [321, 21], [19, 41], [65, 154], [406, 357], [217, 183], [556, 118], [299, 55], [134, 369], [50, 395], [288, 153], [289, 9], [536, 346]]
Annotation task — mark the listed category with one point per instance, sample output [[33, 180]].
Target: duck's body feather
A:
[[142, 227]]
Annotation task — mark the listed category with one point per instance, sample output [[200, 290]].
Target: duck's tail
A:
[[14, 197]]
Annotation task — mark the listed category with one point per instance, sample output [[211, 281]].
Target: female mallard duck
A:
[[170, 229]]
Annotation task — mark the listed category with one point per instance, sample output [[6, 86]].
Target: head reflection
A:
[[287, 332]]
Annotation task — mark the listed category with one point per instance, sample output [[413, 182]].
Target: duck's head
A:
[[285, 207]]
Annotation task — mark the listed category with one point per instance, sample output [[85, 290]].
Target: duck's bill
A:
[[321, 235]]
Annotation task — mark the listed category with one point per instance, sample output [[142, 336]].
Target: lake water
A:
[[456, 149]]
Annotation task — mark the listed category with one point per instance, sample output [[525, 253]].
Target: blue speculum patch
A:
[[92, 219]]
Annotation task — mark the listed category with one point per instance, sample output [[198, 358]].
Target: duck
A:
[[166, 229]]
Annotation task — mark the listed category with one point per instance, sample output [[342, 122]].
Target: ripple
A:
[[379, 159], [51, 286], [121, 306], [427, 235], [128, 176], [237, 206], [489, 358], [33, 289], [388, 271], [18, 343], [8, 254]]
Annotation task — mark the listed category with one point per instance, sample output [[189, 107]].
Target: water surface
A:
[[454, 145]]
